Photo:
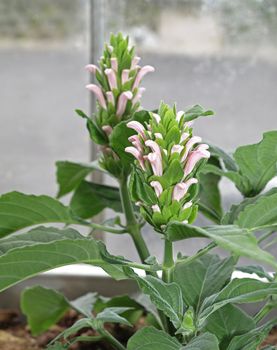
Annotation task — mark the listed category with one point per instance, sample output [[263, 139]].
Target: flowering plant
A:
[[165, 176]]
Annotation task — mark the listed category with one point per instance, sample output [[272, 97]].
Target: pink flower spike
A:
[[125, 76], [110, 97], [122, 101], [138, 127], [107, 129], [134, 62], [98, 93], [156, 163], [181, 189], [156, 117], [142, 72], [111, 78], [177, 149], [137, 154], [92, 68], [157, 188], [179, 115], [156, 208], [114, 64], [189, 145], [194, 157], [187, 205], [138, 95]]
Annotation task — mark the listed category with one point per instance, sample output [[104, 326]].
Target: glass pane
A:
[[44, 47]]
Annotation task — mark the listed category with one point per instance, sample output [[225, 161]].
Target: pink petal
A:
[[177, 149], [107, 129], [135, 140], [187, 205], [189, 145], [125, 76], [135, 152], [184, 136], [111, 78], [156, 117], [138, 127], [157, 187], [98, 93], [142, 72], [154, 147], [156, 208], [194, 157], [158, 135], [156, 163], [181, 189], [134, 62], [114, 64], [110, 97], [122, 101], [92, 68]]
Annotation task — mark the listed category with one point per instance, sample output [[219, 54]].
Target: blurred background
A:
[[218, 53]]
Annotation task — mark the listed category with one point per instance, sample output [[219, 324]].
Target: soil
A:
[[15, 334]]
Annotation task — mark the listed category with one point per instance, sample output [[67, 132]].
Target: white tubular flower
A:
[[111, 78], [189, 145], [114, 64], [199, 153], [98, 93], [122, 101], [142, 72], [157, 187], [138, 127], [156, 208], [181, 189], [137, 154], [156, 163]]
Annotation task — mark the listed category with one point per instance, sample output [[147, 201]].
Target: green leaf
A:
[[84, 304], [241, 182], [174, 173], [203, 342], [149, 338], [96, 134], [43, 307], [258, 270], [252, 339], [197, 111], [202, 277], [224, 324], [258, 162], [44, 248], [259, 214], [229, 237], [167, 297], [19, 210], [90, 199], [238, 291], [112, 315], [225, 158], [209, 195], [70, 175], [119, 137]]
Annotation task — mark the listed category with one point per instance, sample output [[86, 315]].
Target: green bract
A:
[[186, 302]]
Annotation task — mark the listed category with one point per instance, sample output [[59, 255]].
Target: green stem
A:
[[101, 227], [168, 263], [201, 252], [263, 312], [111, 339], [133, 226]]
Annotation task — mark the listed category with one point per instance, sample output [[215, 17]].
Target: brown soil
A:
[[15, 334]]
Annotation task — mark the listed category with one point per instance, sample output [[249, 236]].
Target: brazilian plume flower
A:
[[118, 94], [168, 157]]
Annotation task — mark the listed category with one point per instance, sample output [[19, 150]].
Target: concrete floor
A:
[[41, 88]]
